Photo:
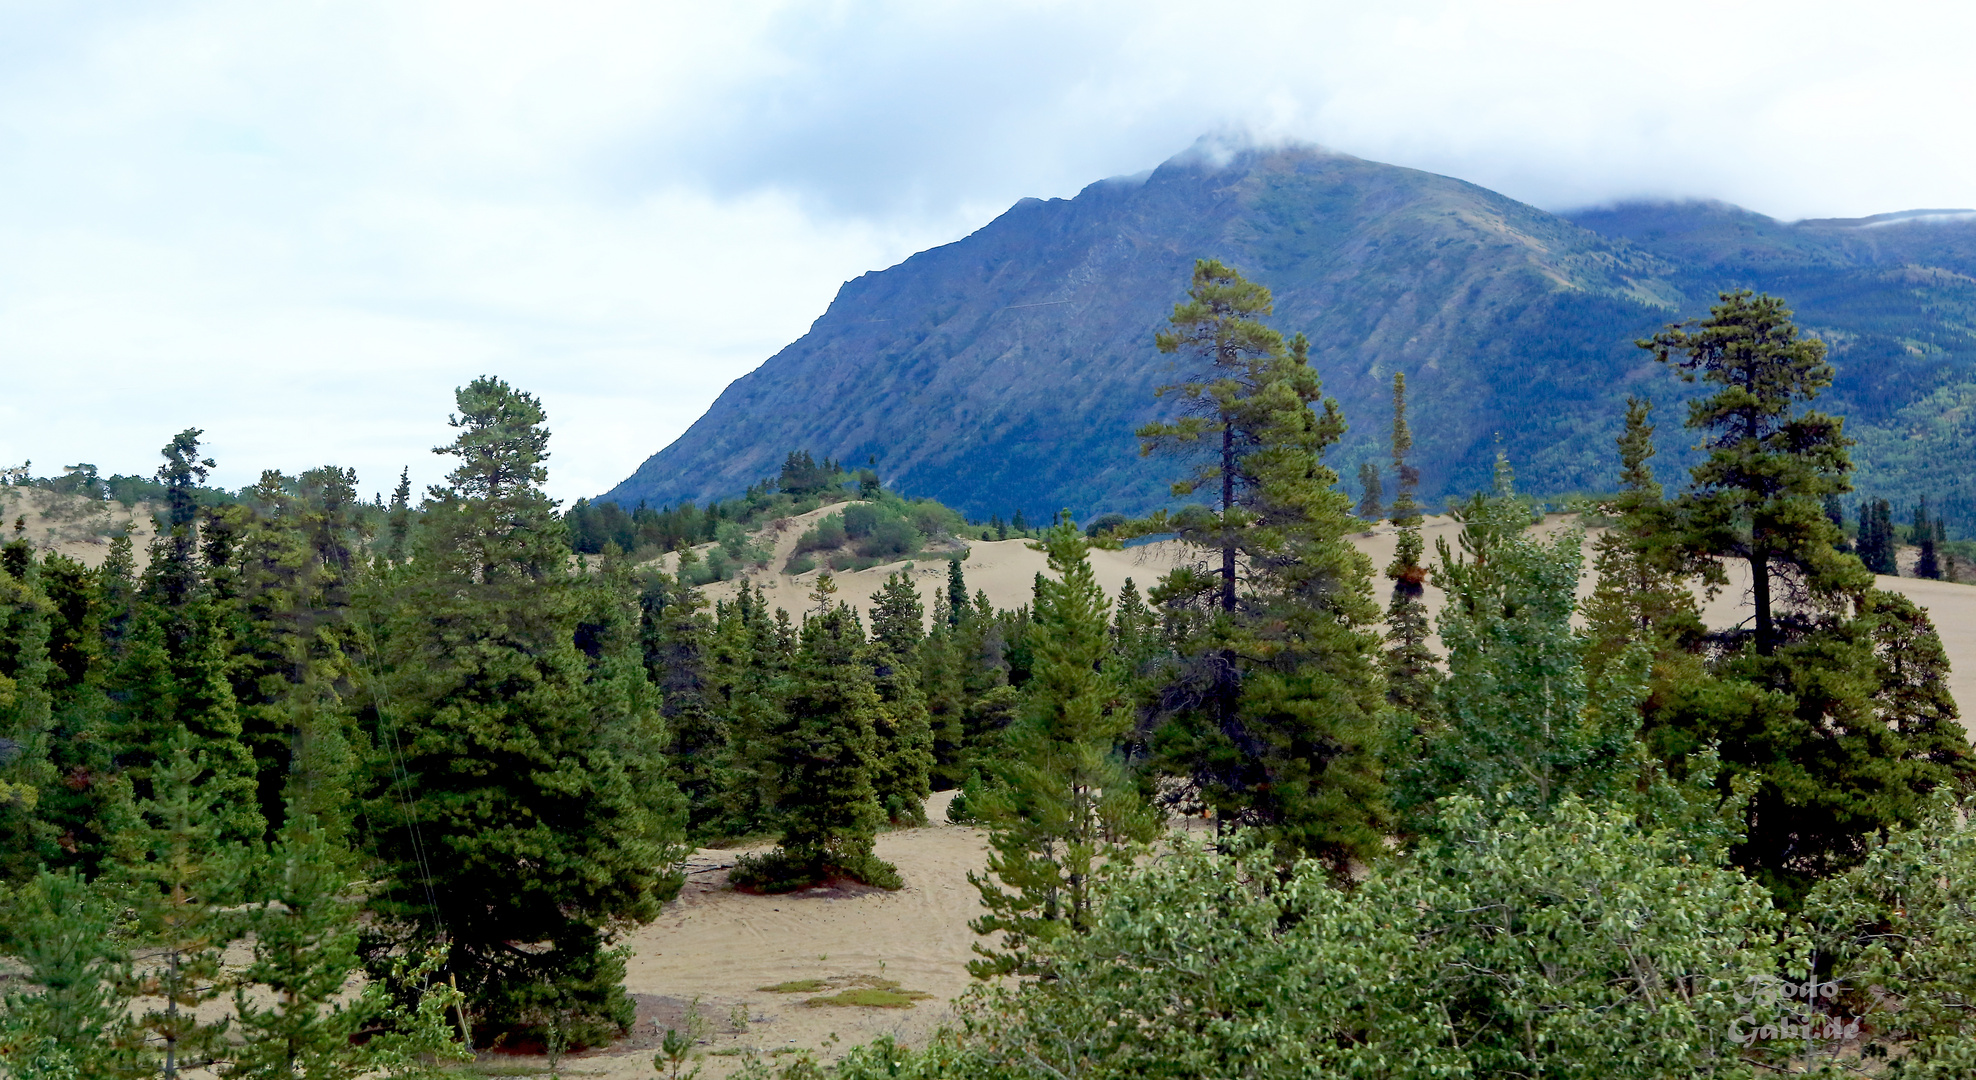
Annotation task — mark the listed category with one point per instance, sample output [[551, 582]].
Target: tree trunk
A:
[[1766, 642]]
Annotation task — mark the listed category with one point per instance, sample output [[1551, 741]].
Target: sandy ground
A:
[[75, 526], [718, 947], [1006, 570]]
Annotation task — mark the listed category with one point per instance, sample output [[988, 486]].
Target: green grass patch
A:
[[796, 986], [867, 997]]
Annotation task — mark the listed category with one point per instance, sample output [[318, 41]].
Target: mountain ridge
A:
[[1006, 370]]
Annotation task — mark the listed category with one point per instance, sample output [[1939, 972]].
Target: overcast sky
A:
[[300, 225]]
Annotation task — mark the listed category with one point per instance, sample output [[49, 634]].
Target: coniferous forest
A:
[[329, 787]]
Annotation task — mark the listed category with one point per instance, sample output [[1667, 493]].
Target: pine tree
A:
[[399, 520], [1369, 507], [1792, 707], [62, 932], [1411, 673], [290, 1021], [27, 771], [1638, 599], [1925, 531], [905, 734], [828, 749], [181, 876], [956, 592], [1759, 495], [522, 794], [1066, 804]]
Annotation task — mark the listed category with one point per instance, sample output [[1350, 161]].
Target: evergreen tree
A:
[[1876, 545], [905, 734], [1519, 724], [898, 617], [1638, 598], [523, 795], [27, 838], [399, 520], [1066, 803], [1759, 495], [678, 651], [172, 669], [1282, 725], [1369, 507], [62, 932], [956, 592], [1925, 532], [304, 931], [1411, 674], [181, 876], [1792, 706], [829, 810]]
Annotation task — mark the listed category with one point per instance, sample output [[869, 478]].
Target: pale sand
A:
[[75, 526], [721, 946]]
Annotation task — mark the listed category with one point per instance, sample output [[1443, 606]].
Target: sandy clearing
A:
[[721, 946], [75, 526]]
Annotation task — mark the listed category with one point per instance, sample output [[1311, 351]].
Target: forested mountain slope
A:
[[1007, 370]]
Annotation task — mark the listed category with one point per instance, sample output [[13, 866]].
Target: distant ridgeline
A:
[[1008, 370]]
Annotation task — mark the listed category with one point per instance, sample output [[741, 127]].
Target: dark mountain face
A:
[[1894, 296], [1007, 370]]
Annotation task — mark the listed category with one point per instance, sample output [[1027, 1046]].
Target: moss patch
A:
[[796, 986], [870, 998]]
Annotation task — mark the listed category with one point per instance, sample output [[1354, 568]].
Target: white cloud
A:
[[300, 225]]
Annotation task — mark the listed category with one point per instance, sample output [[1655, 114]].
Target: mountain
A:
[[1007, 370]]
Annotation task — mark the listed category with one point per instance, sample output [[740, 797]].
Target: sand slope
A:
[[78, 527], [1006, 570]]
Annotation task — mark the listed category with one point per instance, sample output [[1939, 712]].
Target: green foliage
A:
[[180, 878], [827, 750], [1894, 937], [1272, 709], [1640, 598], [1759, 495], [61, 930], [525, 795], [1065, 804], [1518, 723], [1577, 945]]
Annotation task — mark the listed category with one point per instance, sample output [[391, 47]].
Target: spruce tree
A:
[[62, 931], [399, 519], [1065, 804], [956, 592], [28, 839], [829, 811], [675, 637], [905, 733], [1265, 709], [173, 660], [1925, 531], [1639, 598], [1370, 507], [1411, 674], [522, 794], [181, 877]]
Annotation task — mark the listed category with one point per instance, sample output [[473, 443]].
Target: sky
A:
[[299, 226]]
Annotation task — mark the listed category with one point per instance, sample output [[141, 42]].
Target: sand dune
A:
[[1006, 570], [78, 527]]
